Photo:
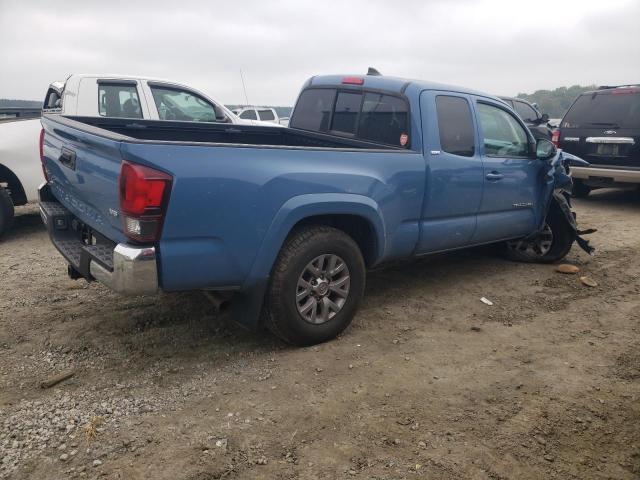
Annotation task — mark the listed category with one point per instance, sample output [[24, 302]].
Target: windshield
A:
[[605, 109]]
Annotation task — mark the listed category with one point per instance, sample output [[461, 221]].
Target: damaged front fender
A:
[[556, 192]]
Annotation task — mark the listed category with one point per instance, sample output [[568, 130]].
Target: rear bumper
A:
[[602, 175], [126, 269]]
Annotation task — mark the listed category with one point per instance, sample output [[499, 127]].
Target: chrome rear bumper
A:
[[135, 270]]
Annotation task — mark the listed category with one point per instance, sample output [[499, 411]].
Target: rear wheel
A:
[[316, 286], [6, 211], [579, 189], [551, 245]]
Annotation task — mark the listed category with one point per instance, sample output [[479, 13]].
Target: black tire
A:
[[579, 189], [6, 211], [281, 313], [563, 237]]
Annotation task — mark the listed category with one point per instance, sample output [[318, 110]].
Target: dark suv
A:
[[536, 121], [603, 128]]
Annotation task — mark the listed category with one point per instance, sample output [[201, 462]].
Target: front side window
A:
[[266, 115], [455, 125], [183, 105], [502, 135], [526, 112], [313, 110], [384, 119], [345, 115], [118, 101], [249, 115]]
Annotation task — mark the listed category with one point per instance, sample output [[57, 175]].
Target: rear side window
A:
[[607, 109], [455, 125], [313, 110], [249, 115], [266, 115], [384, 119], [526, 112], [345, 115], [52, 100], [119, 101]]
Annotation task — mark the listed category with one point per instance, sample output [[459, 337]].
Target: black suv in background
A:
[[536, 121], [603, 128]]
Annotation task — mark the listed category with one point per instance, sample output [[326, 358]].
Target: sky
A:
[[497, 46]]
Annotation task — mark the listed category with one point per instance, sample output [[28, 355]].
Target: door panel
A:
[[511, 179], [454, 172]]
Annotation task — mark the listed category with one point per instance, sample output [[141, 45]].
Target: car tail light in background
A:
[[555, 137], [144, 194], [44, 170], [353, 81]]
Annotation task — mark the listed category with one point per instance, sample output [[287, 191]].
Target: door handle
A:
[[494, 176], [67, 158]]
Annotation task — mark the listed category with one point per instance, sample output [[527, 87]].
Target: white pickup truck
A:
[[91, 95]]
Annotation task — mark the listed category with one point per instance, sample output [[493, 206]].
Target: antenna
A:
[[246, 98]]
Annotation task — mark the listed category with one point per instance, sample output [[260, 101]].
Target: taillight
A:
[[144, 194], [44, 170], [555, 137]]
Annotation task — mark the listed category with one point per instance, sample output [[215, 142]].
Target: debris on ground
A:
[[567, 268], [56, 379], [486, 301], [588, 281]]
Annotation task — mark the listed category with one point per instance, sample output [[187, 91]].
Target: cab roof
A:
[[391, 84]]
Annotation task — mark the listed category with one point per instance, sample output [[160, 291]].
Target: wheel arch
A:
[[16, 190], [357, 215]]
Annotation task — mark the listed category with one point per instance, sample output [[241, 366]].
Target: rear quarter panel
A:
[[229, 203]]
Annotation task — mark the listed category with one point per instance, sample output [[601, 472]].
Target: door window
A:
[[455, 125], [249, 115], [526, 112], [118, 101], [502, 135], [183, 105]]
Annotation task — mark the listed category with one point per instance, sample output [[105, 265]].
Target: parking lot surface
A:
[[429, 382]]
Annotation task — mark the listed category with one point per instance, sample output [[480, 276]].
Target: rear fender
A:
[[247, 308]]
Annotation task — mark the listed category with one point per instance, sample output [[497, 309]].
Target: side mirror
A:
[[544, 118], [545, 149]]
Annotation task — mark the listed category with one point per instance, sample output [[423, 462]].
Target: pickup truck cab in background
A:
[[287, 220], [93, 95], [603, 128]]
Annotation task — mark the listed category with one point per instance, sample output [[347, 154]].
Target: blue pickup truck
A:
[[287, 221]]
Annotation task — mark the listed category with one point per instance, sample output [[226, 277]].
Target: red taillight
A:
[[144, 193], [353, 81], [44, 170], [555, 137]]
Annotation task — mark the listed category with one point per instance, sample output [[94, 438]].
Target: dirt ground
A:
[[428, 382]]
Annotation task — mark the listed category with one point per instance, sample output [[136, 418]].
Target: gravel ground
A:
[[429, 382]]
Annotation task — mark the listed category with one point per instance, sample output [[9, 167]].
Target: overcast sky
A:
[[500, 47]]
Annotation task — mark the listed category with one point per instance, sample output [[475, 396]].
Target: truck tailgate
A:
[[83, 169]]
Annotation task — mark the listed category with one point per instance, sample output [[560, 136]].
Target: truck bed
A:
[[216, 133]]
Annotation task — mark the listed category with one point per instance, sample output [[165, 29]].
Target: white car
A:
[[91, 95], [263, 114]]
